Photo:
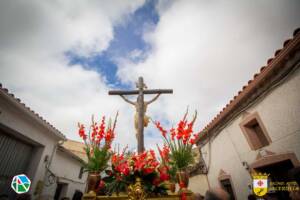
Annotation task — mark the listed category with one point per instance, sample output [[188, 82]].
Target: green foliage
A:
[[180, 141], [154, 190], [181, 155], [97, 161], [116, 183], [113, 184]]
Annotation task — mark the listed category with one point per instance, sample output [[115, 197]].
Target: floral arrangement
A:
[[98, 142], [180, 141], [166, 164], [127, 167]]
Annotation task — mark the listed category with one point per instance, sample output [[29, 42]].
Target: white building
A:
[[69, 172], [30, 145], [259, 129]]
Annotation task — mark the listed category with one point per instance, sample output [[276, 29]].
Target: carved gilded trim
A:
[[190, 196], [136, 191]]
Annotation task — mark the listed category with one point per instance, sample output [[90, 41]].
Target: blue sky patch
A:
[[128, 38]]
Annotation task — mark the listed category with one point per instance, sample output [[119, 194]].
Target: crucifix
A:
[[140, 119]]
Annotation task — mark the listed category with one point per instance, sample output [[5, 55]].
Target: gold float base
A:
[[189, 196]]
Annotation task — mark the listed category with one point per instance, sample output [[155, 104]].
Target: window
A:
[[255, 132], [80, 173], [225, 182], [226, 185]]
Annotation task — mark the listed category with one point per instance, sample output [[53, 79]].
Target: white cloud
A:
[[57, 26], [204, 50], [34, 37], [207, 50]]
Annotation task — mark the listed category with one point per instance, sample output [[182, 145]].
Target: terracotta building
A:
[[258, 130]]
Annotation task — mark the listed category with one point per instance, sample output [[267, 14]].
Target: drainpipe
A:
[[209, 159], [47, 167]]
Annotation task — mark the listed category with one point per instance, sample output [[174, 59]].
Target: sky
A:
[[62, 57]]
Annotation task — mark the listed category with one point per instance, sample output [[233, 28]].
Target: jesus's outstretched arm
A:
[[127, 100], [151, 101]]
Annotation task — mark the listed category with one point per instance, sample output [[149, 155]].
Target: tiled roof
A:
[[273, 64], [23, 105], [71, 153], [76, 147]]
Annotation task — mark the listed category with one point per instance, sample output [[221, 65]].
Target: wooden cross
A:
[[141, 119]]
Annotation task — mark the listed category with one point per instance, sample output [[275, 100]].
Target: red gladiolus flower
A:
[[156, 181], [109, 136], [148, 170], [145, 162], [122, 167], [181, 185], [161, 129], [101, 184], [164, 177], [173, 133], [81, 131], [192, 141], [101, 131], [164, 153], [139, 165], [113, 158], [93, 144], [163, 173], [125, 169], [119, 163], [180, 129], [183, 196], [94, 132]]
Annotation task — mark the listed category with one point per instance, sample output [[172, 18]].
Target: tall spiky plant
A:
[[180, 141], [98, 144]]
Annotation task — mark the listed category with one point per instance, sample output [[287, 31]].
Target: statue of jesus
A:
[[146, 103], [140, 119]]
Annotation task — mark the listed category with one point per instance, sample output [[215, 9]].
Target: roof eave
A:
[[18, 104]]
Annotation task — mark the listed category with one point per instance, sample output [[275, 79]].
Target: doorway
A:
[[278, 173], [15, 156], [60, 191], [226, 185]]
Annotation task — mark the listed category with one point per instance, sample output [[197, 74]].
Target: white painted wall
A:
[[280, 113], [67, 169], [27, 128], [198, 184]]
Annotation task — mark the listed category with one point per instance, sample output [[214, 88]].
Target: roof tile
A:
[[269, 60], [286, 42], [296, 31], [262, 69], [29, 109], [277, 52]]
